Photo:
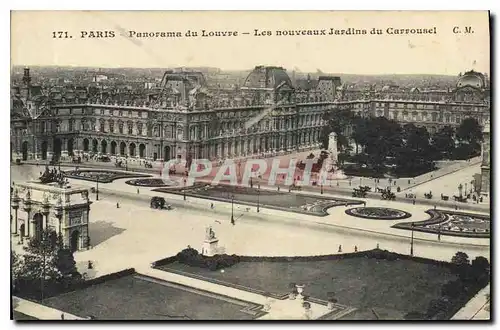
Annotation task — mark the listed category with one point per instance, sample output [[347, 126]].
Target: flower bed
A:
[[103, 176], [278, 200], [378, 213], [151, 182], [452, 223]]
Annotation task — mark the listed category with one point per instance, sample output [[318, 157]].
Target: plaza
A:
[[145, 235]]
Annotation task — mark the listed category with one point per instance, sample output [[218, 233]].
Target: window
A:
[[120, 127], [101, 125], [71, 125]]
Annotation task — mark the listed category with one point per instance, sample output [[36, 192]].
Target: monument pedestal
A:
[[210, 247]]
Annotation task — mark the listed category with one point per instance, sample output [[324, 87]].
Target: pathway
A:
[[476, 308], [39, 311]]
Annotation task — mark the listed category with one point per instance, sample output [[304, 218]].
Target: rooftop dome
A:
[[473, 79], [267, 77]]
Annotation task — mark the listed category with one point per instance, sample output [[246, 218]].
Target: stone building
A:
[[36, 207], [183, 118]]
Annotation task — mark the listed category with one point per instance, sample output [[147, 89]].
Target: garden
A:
[[452, 223], [378, 213], [383, 146], [103, 176], [284, 201], [138, 297], [151, 182], [398, 286]]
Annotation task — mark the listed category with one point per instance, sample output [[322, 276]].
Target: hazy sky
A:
[[32, 41]]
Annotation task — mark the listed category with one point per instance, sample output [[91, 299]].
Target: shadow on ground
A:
[[101, 231]]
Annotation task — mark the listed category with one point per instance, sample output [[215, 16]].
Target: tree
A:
[[46, 266], [470, 131], [460, 259], [481, 264], [337, 121], [443, 142]]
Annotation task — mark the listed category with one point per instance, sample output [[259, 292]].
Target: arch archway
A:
[[104, 146], [24, 148], [113, 147], [95, 145], [131, 149], [45, 146], [70, 146], [74, 241], [86, 145], [142, 149], [123, 146], [57, 148], [38, 226]]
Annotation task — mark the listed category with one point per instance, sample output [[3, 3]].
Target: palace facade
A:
[[184, 118]]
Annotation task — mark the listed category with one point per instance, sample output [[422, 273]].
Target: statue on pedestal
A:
[[209, 233], [210, 245]]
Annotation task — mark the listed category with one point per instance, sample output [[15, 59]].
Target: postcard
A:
[[250, 165]]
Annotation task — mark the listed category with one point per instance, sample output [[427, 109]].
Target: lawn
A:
[[310, 204], [393, 288], [135, 297]]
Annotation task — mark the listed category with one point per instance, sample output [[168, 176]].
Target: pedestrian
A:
[[378, 246], [346, 204], [212, 206], [340, 248], [90, 265], [355, 248], [62, 316], [137, 190], [117, 205], [413, 201]]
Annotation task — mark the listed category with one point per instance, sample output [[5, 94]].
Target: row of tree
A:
[[381, 143], [45, 268], [470, 278]]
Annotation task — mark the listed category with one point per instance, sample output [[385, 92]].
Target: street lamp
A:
[[232, 209], [184, 190], [411, 243], [97, 188], [258, 197]]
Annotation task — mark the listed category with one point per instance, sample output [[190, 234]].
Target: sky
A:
[[446, 52]]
